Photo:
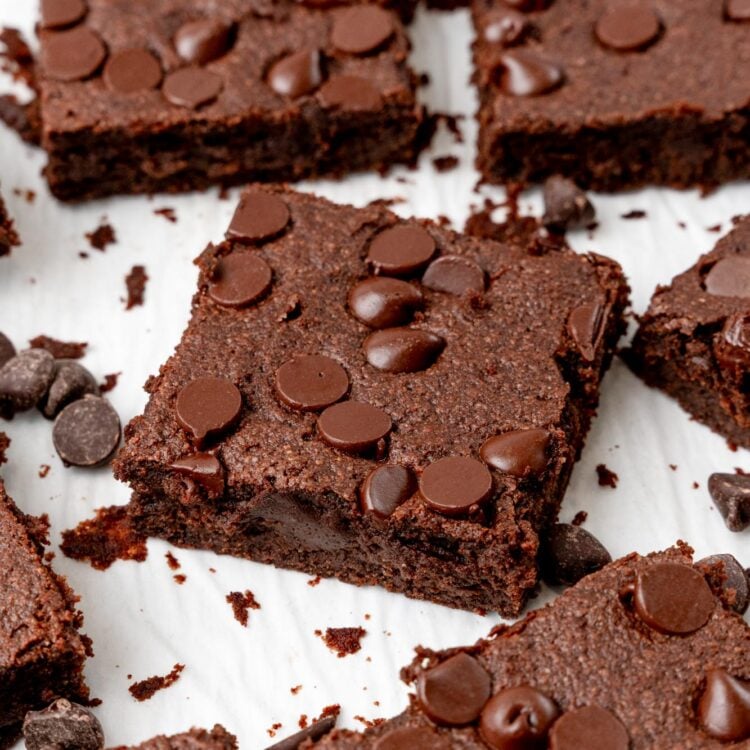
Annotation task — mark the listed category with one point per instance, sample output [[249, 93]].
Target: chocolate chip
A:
[[517, 718], [728, 580], [724, 707], [25, 379], [381, 302], [7, 350], [207, 407], [453, 485], [412, 738], [203, 469], [361, 29], [402, 349], [72, 55], [401, 250], [518, 452], [569, 553], [72, 381], [566, 206], [455, 691], [86, 432], [525, 73], [736, 332], [200, 42], [62, 726], [586, 327], [737, 10], [239, 279], [729, 277], [192, 87], [310, 382], [132, 70], [350, 93], [454, 275], [673, 598], [628, 26], [731, 495], [317, 730], [57, 14], [258, 217], [296, 74], [386, 488], [506, 28], [588, 727], [353, 426]]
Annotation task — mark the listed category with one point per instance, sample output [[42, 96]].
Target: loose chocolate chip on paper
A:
[[25, 379], [259, 216], [525, 73], [517, 452], [350, 94], [132, 70], [204, 469], [63, 725], [353, 426], [731, 495], [729, 277], [192, 87], [311, 382], [566, 206], [517, 718], [728, 579], [57, 14], [208, 406], [724, 706], [569, 553], [401, 250], [454, 484], [456, 275], [72, 381], [588, 727], [386, 488], [199, 42], [381, 302], [72, 55], [628, 26], [361, 29], [240, 279], [296, 74], [86, 432], [7, 350], [403, 349]]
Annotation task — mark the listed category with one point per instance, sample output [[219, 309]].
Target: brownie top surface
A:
[[496, 369], [661, 58], [123, 74]]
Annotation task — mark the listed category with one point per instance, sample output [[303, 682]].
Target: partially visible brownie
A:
[[196, 739], [8, 235], [694, 340], [42, 652], [376, 399], [639, 656]]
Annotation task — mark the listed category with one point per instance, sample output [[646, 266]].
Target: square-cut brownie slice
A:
[[41, 651], [639, 656], [694, 340], [196, 739], [376, 399], [8, 236], [613, 94], [145, 97]]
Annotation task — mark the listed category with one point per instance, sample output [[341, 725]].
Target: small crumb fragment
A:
[[607, 478], [135, 283], [241, 604], [44, 469], [102, 237], [579, 518], [313, 582], [715, 228], [445, 163], [168, 213], [274, 729], [636, 213], [180, 578], [110, 381], [59, 349], [343, 641], [172, 561], [4, 445], [146, 689], [294, 690]]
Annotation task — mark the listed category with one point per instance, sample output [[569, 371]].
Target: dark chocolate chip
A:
[[402, 349], [627, 26], [455, 691], [566, 206], [454, 275], [412, 738], [361, 29], [525, 73], [737, 10], [724, 707], [569, 553], [296, 74], [386, 488], [7, 350], [506, 28], [732, 346], [62, 726], [588, 727], [239, 279], [258, 217], [401, 250], [736, 331], [200, 42], [518, 718], [72, 381], [728, 579], [518, 452], [673, 598], [731, 495], [57, 14], [310, 382], [72, 55], [380, 302], [207, 407], [317, 730], [353, 426], [350, 93], [25, 379], [586, 327], [86, 432], [453, 485], [729, 277], [132, 70], [192, 87], [204, 469]]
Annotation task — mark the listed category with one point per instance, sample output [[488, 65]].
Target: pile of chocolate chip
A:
[[86, 430]]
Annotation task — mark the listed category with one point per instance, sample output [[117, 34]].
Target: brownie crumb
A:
[[333, 710], [44, 469], [445, 163], [107, 537], [59, 349], [110, 382], [28, 195], [38, 527], [274, 728], [452, 123], [168, 213], [241, 605], [294, 690], [673, 467], [4, 445], [607, 478], [579, 518], [715, 228], [180, 578], [135, 282], [172, 561], [313, 582], [343, 641], [636, 213], [302, 721], [682, 225], [696, 486], [146, 689], [103, 236]]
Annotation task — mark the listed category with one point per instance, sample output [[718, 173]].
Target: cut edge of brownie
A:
[[8, 235], [200, 739]]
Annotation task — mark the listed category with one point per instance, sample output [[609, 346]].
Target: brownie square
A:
[[613, 95], [694, 340], [41, 651], [195, 739], [180, 95], [604, 666], [8, 236], [388, 402]]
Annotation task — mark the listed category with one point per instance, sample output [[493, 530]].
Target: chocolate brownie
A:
[[376, 399], [8, 236], [638, 656], [41, 651], [196, 739], [614, 95], [182, 94], [694, 340]]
